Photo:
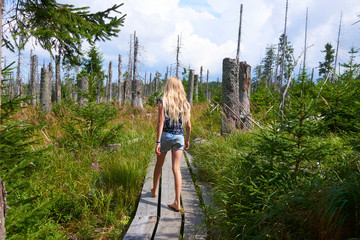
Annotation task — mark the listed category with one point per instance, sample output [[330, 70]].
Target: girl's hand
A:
[[157, 149], [187, 145]]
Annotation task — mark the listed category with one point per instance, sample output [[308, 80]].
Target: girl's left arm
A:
[[160, 124]]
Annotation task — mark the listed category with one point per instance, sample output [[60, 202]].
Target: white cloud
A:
[[209, 34]]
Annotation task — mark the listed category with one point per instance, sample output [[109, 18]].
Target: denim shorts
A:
[[171, 141]]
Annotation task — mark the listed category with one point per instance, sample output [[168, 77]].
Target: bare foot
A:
[[153, 192], [175, 207]]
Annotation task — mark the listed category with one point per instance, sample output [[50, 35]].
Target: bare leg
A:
[[176, 158], [157, 171]]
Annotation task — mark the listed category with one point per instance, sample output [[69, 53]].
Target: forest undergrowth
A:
[[65, 178], [295, 177]]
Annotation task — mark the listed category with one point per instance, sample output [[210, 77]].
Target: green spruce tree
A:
[[326, 66]]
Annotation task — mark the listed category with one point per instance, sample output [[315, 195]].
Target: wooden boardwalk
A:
[[155, 220]]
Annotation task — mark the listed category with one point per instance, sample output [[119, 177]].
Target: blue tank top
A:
[[176, 129]]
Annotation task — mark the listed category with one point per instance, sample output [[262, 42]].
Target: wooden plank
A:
[[143, 224], [194, 226], [170, 221]]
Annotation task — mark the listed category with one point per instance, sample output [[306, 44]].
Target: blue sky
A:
[[209, 30]]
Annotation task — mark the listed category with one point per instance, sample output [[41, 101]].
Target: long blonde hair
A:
[[175, 104]]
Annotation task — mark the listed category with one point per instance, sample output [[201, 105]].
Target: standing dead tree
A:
[[207, 85], [230, 95], [136, 84], [83, 89], [109, 84], [305, 41], [239, 35], [244, 94], [196, 86], [337, 48], [190, 87], [177, 57], [119, 81], [57, 80], [150, 85], [33, 79], [45, 87], [283, 50]]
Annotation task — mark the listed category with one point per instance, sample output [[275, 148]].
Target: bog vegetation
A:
[[76, 171]]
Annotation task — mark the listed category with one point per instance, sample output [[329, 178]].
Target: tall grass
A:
[[82, 191]]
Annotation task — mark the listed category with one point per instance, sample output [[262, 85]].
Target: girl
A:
[[173, 112]]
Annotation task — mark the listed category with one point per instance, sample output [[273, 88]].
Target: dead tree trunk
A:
[[109, 83], [283, 51], [337, 49], [239, 35], [119, 80], [201, 79], [177, 57], [191, 87], [130, 70], [1, 30], [244, 93], [150, 85], [45, 90], [51, 74], [145, 90], [136, 84], [18, 86], [156, 81], [83, 89], [230, 96], [305, 41], [2, 208], [33, 78], [196, 86], [167, 73], [57, 80], [207, 85]]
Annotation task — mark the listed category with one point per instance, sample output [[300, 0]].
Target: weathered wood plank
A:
[[143, 224], [194, 226], [170, 221]]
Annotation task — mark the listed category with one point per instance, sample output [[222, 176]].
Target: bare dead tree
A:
[[57, 80], [119, 80], [207, 85], [239, 35], [337, 48], [45, 93], [190, 87], [109, 83], [136, 84], [177, 57], [150, 85], [196, 86], [33, 78], [305, 42], [284, 49], [201, 78]]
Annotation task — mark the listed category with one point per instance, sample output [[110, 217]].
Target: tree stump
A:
[[230, 96], [244, 93], [45, 93]]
